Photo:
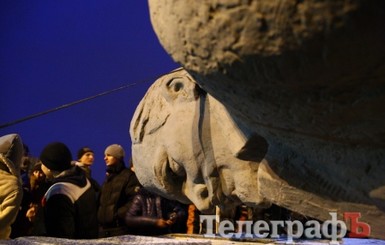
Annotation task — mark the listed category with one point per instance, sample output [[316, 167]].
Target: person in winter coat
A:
[[153, 215], [11, 192], [118, 190], [35, 214], [69, 204], [85, 160]]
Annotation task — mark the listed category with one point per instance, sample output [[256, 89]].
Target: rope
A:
[[78, 101]]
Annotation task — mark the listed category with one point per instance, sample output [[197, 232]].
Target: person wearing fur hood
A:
[[11, 192]]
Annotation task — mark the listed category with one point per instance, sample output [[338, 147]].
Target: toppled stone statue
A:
[[186, 146], [306, 76]]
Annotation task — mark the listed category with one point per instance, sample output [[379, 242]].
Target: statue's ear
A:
[[156, 106], [150, 115], [138, 122], [243, 143]]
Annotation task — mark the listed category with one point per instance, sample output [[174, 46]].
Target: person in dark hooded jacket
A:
[[153, 215], [69, 204]]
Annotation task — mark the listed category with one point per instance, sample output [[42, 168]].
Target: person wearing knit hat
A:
[[85, 160], [56, 157], [118, 190], [116, 151], [71, 199], [86, 156]]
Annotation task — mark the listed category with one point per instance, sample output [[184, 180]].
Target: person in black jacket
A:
[[118, 189], [69, 204], [153, 215], [85, 161], [35, 214]]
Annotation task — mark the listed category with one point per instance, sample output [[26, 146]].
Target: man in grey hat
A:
[[116, 194]]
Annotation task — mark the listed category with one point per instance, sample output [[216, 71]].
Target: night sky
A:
[[53, 53]]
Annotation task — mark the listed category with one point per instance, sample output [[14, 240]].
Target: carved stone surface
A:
[[186, 146], [308, 77], [315, 68]]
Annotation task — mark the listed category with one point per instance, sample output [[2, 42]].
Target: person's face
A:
[[39, 175], [87, 158], [110, 160]]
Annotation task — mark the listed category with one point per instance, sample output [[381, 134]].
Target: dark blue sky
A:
[[56, 52]]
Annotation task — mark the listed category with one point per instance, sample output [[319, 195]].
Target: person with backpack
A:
[[69, 204]]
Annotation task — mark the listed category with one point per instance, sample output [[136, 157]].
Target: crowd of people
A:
[[54, 195]]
